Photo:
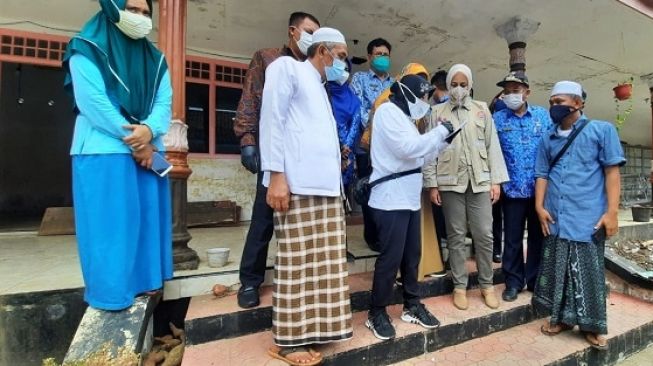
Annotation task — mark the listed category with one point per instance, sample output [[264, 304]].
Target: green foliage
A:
[[623, 108]]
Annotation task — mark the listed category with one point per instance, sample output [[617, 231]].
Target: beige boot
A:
[[460, 299], [490, 297]]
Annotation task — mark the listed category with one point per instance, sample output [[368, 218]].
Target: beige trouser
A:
[[459, 209]]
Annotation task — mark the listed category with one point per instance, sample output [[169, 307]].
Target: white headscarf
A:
[[463, 69]]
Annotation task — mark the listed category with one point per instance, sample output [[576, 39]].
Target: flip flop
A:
[[280, 353], [546, 329], [593, 340]]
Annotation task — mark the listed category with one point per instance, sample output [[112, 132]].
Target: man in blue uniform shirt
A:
[[520, 127]]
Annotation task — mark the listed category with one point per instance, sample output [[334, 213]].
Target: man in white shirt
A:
[[300, 158]]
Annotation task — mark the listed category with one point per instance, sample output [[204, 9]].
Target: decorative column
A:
[[516, 32], [172, 41], [648, 79]]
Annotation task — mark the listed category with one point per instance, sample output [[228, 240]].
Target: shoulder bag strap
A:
[[562, 151], [395, 176]]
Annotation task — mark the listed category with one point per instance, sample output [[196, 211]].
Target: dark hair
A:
[[297, 17], [439, 80], [378, 43]]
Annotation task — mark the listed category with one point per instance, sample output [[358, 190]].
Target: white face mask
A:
[[513, 101], [458, 95], [305, 41], [419, 108], [134, 26]]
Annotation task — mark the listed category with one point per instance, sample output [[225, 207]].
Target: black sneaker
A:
[[417, 314], [380, 326]]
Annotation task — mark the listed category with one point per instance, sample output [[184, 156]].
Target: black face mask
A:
[[559, 112]]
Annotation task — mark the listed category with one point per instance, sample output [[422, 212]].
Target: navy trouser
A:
[[517, 213], [364, 166], [400, 249], [261, 228], [497, 227]]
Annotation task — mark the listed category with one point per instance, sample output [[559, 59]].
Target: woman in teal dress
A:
[[122, 93]]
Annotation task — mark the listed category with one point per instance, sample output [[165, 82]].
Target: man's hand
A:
[[140, 137], [144, 156], [249, 158], [435, 196], [278, 196], [345, 151], [495, 193], [545, 220], [611, 223]]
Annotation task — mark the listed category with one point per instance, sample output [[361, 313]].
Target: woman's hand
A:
[[140, 137], [435, 196], [144, 156], [278, 196]]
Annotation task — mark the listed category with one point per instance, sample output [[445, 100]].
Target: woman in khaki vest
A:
[[466, 180]]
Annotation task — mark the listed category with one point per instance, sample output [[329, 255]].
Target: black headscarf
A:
[[417, 84]]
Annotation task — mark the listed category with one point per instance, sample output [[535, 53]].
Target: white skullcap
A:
[[567, 87], [326, 34], [463, 69]]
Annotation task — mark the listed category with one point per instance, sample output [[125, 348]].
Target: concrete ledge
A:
[[620, 347], [129, 329], [618, 284]]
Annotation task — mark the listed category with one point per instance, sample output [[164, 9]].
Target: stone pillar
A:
[[648, 79], [172, 42], [516, 32]]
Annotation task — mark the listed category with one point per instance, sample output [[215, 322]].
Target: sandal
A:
[[551, 331], [596, 341], [281, 353]]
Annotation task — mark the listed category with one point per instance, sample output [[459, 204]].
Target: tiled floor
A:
[[29, 262], [252, 349], [526, 345]]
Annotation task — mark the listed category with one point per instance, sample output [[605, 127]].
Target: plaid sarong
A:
[[310, 302]]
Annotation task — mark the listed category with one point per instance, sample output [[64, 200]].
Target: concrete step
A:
[[364, 349], [630, 326], [209, 319]]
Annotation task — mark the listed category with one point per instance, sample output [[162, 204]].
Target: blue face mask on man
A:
[[336, 72]]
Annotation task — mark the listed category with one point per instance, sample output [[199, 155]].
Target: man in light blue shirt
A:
[[577, 200]]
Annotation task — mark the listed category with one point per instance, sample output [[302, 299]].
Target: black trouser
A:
[[517, 212], [440, 225], [261, 228], [364, 168], [400, 249], [497, 228]]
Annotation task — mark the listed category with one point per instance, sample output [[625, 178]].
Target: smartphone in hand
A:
[[160, 165], [599, 235], [455, 133]]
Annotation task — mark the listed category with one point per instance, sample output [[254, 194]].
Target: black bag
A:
[[363, 186]]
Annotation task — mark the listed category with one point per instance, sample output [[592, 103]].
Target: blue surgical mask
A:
[[336, 72], [559, 112]]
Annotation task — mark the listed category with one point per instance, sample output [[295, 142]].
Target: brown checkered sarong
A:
[[310, 302]]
